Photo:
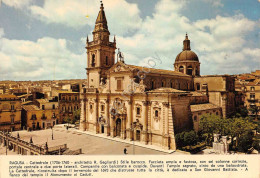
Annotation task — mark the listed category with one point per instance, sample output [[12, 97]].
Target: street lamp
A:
[[52, 133]]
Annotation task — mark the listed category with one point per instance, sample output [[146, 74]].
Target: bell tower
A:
[[100, 52]]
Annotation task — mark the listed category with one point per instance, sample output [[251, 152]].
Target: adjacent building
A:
[[40, 115], [10, 112]]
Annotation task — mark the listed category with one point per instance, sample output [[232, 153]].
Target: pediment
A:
[[119, 67]]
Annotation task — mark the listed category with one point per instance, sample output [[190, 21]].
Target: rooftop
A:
[[202, 107], [167, 90], [7, 96], [30, 108]]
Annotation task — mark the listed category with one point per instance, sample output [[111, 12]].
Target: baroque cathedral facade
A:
[[146, 104]]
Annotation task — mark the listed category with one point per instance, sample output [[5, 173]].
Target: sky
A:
[[45, 39]]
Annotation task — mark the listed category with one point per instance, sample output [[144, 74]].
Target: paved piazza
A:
[[90, 144]]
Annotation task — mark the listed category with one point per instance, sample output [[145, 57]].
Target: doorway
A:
[[43, 125], [118, 127], [102, 129], [138, 133]]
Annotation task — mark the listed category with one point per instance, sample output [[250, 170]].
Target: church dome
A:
[[187, 55]]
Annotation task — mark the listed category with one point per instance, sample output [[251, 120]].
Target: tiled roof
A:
[[156, 71], [42, 100], [26, 102], [202, 107], [195, 93], [64, 91], [31, 108], [7, 96], [254, 83]]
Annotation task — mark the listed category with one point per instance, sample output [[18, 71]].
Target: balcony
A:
[[252, 100], [9, 123]]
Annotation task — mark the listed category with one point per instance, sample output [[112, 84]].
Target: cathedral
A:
[[147, 105]]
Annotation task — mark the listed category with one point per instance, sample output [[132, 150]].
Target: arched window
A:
[[198, 86], [152, 85], [156, 113], [171, 84], [93, 60], [163, 85], [181, 69], [106, 61], [189, 70]]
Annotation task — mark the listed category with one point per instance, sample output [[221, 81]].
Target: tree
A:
[[76, 116], [190, 138], [241, 112], [245, 142], [254, 110], [68, 120], [211, 124], [186, 138], [240, 126]]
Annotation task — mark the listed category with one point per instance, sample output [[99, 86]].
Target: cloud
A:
[[219, 42], [18, 4], [123, 17], [1, 32], [24, 60], [215, 3]]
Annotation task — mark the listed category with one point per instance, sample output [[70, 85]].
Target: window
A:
[[70, 98], [153, 85], [195, 118], [53, 106], [252, 96], [63, 98], [102, 108], [119, 84], [77, 107], [43, 107], [217, 113], [138, 111], [181, 69], [12, 107], [252, 88], [76, 98], [12, 119], [198, 86], [189, 70], [171, 85], [74, 108], [162, 83], [156, 113], [93, 60], [106, 60], [90, 107]]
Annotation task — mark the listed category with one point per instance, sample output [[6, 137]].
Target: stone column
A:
[[112, 131], [145, 126], [166, 121], [82, 116], [129, 120], [107, 115], [96, 124]]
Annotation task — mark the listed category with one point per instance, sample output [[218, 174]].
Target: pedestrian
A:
[[125, 151]]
